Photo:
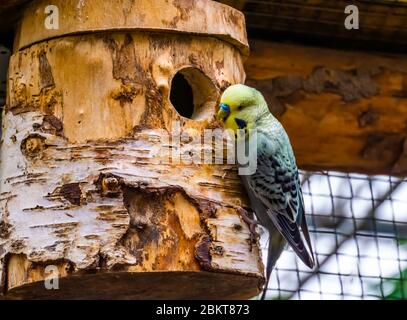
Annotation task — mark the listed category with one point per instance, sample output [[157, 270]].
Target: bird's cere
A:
[[224, 111], [224, 107]]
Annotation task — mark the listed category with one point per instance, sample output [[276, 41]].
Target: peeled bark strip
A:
[[89, 184]]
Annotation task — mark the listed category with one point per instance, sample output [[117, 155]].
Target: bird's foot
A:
[[249, 219]]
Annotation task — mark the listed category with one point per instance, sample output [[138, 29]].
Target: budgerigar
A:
[[274, 189]]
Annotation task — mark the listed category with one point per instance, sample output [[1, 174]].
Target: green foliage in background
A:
[[399, 291]]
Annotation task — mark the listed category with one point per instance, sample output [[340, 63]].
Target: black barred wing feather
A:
[[276, 185]]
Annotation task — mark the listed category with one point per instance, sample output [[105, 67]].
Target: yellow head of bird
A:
[[240, 107]]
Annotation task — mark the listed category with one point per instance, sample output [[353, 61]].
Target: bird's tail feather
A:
[[304, 229], [292, 234], [275, 248]]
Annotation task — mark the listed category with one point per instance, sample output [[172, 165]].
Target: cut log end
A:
[[145, 285]]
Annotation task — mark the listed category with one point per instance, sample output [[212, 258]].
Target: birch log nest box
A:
[[85, 187]]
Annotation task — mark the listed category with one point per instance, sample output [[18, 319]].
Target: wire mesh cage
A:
[[359, 228]]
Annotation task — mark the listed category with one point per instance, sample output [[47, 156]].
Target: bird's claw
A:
[[249, 219]]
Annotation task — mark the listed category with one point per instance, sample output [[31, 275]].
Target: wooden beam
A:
[[383, 24], [343, 110], [237, 4], [10, 13]]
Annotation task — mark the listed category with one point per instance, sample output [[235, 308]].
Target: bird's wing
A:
[[276, 185]]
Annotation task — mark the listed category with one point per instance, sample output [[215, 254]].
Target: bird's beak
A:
[[223, 113]]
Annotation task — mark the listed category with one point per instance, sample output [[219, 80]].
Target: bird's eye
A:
[[239, 108]]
